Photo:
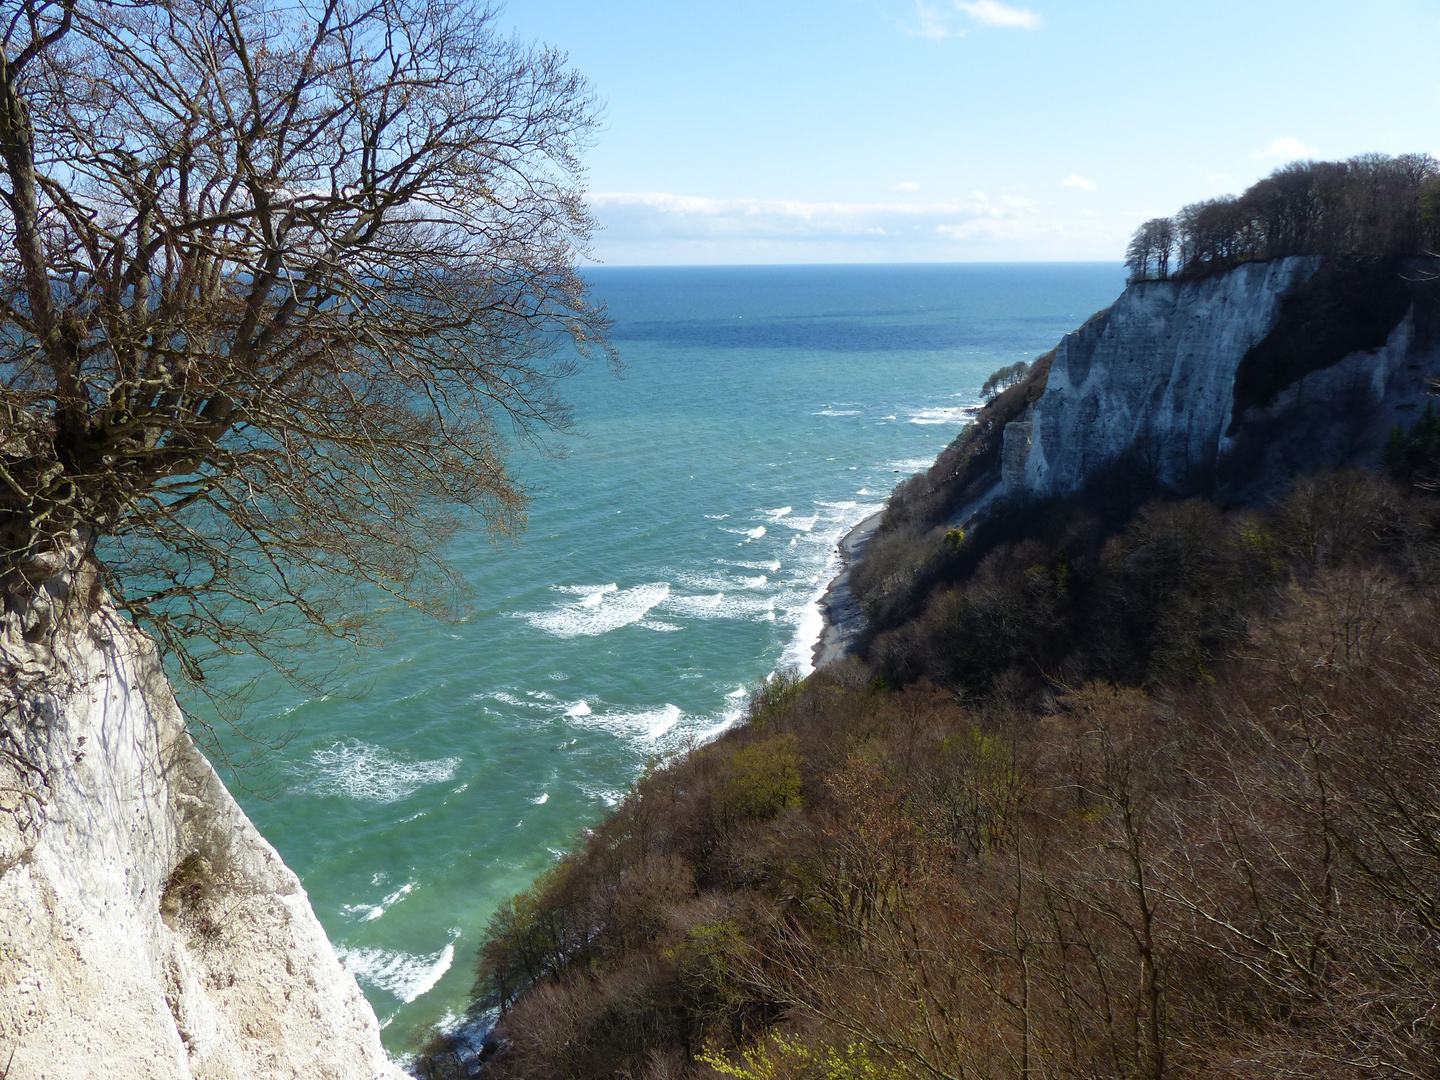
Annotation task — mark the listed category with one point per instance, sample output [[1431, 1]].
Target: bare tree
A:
[[279, 280], [1152, 245], [1140, 254], [1162, 243], [1004, 378]]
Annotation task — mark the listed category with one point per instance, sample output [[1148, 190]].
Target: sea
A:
[[673, 560]]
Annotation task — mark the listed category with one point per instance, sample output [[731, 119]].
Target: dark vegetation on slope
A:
[[1346, 306], [1153, 800], [919, 542]]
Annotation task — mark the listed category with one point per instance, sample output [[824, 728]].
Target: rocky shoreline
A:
[[844, 619]]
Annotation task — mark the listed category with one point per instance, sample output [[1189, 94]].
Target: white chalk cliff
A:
[[146, 928], [1157, 375]]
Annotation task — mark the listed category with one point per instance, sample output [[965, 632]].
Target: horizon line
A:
[[591, 265]]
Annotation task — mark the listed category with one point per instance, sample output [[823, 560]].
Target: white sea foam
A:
[[609, 796], [658, 625], [468, 1028], [910, 464], [541, 799], [371, 912], [695, 605], [804, 524], [717, 517], [806, 616], [580, 708], [709, 581], [583, 590], [402, 975], [647, 724], [722, 606], [728, 719], [662, 720], [510, 699], [837, 412], [773, 565], [603, 609], [943, 414], [776, 515], [756, 533], [359, 770]]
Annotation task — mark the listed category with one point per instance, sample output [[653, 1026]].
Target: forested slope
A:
[[1167, 803]]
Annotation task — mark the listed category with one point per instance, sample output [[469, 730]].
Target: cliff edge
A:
[[146, 928], [1226, 386], [1232, 384]]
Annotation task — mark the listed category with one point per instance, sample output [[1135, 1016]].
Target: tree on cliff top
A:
[[278, 278], [1367, 206]]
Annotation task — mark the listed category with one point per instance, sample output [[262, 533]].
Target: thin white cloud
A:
[[932, 23], [654, 216], [905, 185], [793, 210], [994, 13], [641, 228], [1288, 148], [1080, 182]]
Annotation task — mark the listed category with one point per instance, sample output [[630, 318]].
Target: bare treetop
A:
[[1369, 206], [278, 279]]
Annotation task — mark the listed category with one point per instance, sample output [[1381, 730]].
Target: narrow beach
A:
[[840, 610]]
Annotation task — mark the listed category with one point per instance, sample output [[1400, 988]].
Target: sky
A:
[[817, 131]]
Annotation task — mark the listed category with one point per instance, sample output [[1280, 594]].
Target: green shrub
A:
[[773, 696], [708, 959], [791, 1058], [758, 781]]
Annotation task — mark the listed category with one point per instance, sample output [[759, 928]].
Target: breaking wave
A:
[[402, 975], [359, 770], [602, 608]]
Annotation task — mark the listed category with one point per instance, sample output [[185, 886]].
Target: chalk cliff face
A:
[[146, 928], [1233, 384]]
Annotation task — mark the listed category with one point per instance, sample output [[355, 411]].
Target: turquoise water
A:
[[672, 559]]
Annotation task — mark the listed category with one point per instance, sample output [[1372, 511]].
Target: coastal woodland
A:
[[1134, 783], [1160, 800]]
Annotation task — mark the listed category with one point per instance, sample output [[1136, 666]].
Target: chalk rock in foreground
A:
[[146, 928]]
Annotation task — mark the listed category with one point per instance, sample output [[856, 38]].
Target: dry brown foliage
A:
[[1230, 876]]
